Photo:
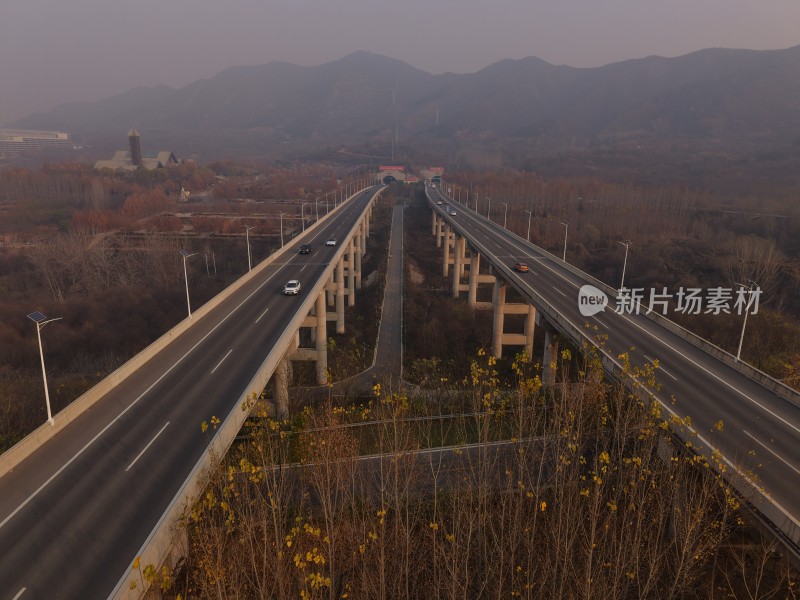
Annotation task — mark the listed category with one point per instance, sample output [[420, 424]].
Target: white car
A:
[[292, 288], [331, 242]]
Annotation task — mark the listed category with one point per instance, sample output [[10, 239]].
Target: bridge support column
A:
[[340, 296], [351, 274], [321, 341], [446, 245], [358, 254], [458, 264], [498, 301], [530, 327], [439, 231], [364, 236], [474, 267], [280, 382], [550, 358], [330, 289], [434, 222]]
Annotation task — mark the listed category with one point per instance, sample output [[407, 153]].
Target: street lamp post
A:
[[281, 216], [327, 207], [249, 260], [530, 214], [302, 215], [505, 216], [489, 207], [41, 321], [186, 255], [626, 243], [566, 229], [316, 208], [744, 323]]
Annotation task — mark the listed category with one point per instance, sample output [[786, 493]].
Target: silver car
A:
[[292, 288]]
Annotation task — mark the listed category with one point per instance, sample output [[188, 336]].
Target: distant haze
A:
[[53, 51]]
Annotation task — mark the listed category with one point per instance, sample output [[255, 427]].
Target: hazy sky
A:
[[54, 51]]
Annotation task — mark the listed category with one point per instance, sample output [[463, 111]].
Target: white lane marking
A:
[[775, 454], [600, 322], [679, 353], [700, 437], [560, 292], [261, 315], [19, 593], [134, 402], [661, 368], [148, 445], [222, 361], [304, 268]]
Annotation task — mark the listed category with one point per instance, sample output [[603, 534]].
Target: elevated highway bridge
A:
[[80, 499], [759, 438]]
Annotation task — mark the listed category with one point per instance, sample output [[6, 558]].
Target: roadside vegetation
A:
[[573, 492]]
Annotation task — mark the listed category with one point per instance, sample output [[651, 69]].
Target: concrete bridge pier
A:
[[448, 236], [321, 340], [351, 274], [340, 296], [459, 258], [499, 303], [434, 222], [359, 252], [474, 268], [550, 358]]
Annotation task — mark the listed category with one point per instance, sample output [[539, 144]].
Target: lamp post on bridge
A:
[[41, 321], [746, 312], [316, 208], [302, 214], [281, 216], [625, 243], [489, 207], [186, 255], [530, 214], [247, 229], [566, 230], [505, 216]]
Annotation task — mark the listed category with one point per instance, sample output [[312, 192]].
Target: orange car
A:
[[521, 267]]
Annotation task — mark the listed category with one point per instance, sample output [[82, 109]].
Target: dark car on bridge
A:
[[305, 249], [521, 267]]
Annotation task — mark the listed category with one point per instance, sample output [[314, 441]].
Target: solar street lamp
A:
[[186, 255], [41, 321]]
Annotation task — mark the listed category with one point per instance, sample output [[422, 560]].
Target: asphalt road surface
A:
[[74, 514]]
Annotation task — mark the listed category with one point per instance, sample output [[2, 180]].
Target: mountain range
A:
[[736, 103]]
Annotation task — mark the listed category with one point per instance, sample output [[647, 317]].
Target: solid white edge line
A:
[[222, 361], [150, 443], [768, 449], [19, 593], [262, 314], [660, 368], [696, 434], [676, 351], [132, 404]]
